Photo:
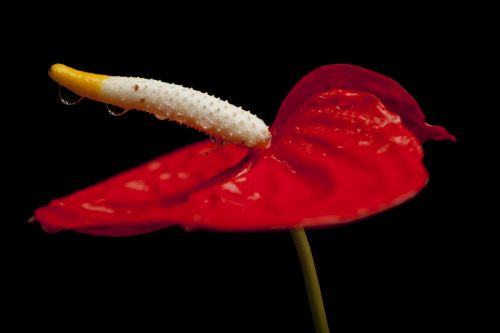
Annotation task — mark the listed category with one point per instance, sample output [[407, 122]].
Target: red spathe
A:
[[337, 155]]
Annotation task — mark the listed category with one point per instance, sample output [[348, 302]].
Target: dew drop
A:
[[204, 123], [217, 141], [161, 116], [116, 110], [67, 97]]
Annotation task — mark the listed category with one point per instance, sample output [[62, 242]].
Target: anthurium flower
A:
[[346, 144]]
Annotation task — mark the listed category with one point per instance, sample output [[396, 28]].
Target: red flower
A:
[[345, 145]]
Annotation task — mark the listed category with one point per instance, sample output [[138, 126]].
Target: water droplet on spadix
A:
[[218, 141], [116, 110], [68, 97]]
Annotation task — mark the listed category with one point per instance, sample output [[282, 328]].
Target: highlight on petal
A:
[[350, 77], [139, 201]]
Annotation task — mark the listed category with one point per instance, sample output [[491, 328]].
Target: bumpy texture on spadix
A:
[[187, 106], [338, 154]]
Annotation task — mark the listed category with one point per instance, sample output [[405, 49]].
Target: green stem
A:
[[311, 280]]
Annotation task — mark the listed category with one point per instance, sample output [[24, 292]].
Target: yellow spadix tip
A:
[[81, 83]]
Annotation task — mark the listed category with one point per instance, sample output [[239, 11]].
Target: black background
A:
[[394, 272]]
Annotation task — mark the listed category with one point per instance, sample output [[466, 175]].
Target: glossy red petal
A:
[[338, 157], [135, 201], [350, 77]]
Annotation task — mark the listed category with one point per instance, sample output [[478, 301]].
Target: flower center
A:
[[206, 113]]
